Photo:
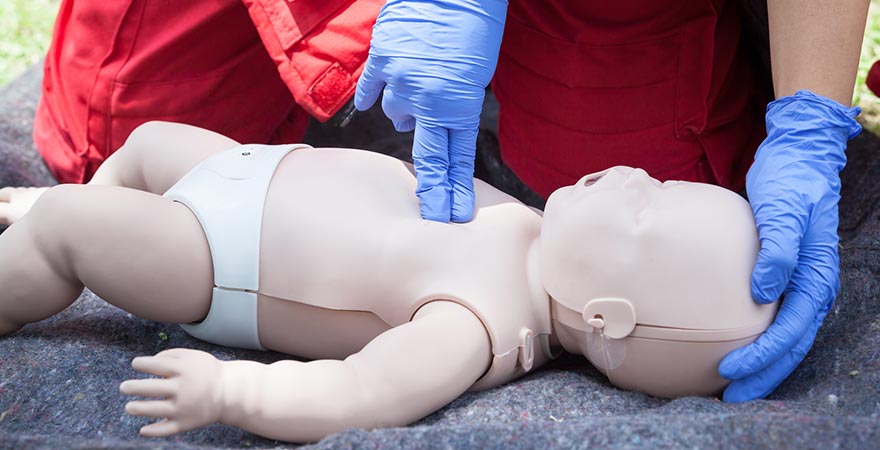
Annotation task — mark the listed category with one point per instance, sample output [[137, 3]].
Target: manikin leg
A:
[[154, 157], [137, 250]]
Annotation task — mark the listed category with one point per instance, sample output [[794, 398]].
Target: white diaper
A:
[[227, 192]]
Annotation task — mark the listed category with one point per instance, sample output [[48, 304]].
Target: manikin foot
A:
[[15, 202]]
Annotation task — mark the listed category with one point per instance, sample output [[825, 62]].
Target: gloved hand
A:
[[434, 60], [794, 188]]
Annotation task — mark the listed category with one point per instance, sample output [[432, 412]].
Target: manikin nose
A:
[[641, 177], [620, 172]]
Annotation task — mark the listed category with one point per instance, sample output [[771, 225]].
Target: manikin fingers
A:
[[177, 353], [156, 409], [6, 194], [162, 367], [161, 428], [149, 387]]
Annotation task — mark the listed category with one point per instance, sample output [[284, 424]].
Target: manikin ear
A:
[[609, 320], [614, 317]]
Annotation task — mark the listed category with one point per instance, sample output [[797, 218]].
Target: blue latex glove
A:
[[794, 188], [434, 60]]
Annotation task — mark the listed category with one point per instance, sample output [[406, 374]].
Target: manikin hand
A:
[[434, 60], [16, 202], [794, 188], [190, 391]]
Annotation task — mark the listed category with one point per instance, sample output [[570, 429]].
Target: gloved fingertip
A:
[[727, 369], [734, 395], [364, 101], [461, 216], [748, 389], [763, 291], [762, 298], [404, 126], [360, 104], [434, 215], [434, 204], [367, 91], [463, 208]]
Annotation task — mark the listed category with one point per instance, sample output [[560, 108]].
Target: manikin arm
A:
[[401, 376]]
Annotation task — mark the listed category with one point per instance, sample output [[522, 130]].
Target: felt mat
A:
[[59, 378]]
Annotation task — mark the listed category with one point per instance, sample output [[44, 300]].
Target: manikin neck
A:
[[534, 274]]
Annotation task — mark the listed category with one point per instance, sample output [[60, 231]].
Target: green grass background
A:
[[26, 28], [870, 117]]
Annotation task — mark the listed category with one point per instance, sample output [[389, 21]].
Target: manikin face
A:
[[666, 255]]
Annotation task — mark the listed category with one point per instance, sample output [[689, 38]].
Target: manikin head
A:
[[649, 280]]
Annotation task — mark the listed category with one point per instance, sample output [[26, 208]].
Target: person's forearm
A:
[[814, 45]]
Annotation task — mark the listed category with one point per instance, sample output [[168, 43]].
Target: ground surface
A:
[[59, 377]]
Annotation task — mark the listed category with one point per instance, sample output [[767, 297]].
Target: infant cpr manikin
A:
[[659, 311], [648, 280]]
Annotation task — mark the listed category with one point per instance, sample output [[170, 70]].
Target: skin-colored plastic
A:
[[400, 315]]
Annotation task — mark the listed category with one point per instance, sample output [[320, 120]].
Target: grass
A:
[[862, 96], [25, 31], [26, 28]]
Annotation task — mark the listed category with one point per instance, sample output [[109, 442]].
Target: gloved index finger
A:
[[462, 151], [369, 85], [795, 316], [431, 163]]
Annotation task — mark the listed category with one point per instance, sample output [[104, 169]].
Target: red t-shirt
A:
[[582, 86], [661, 85]]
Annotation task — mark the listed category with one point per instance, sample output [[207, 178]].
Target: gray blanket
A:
[[59, 377]]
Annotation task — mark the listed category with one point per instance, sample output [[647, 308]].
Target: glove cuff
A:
[[810, 111]]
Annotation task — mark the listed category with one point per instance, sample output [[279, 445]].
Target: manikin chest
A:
[[345, 256]]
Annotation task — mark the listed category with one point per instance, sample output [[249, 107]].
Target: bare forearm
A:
[[815, 45]]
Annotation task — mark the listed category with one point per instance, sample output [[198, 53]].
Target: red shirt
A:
[[114, 65], [660, 85], [582, 85]]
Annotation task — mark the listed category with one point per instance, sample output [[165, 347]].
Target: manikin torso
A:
[[338, 266]]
